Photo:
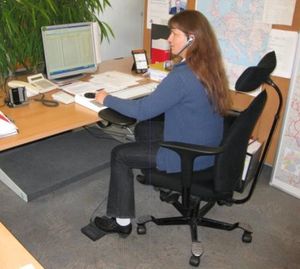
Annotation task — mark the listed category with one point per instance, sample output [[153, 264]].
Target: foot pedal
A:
[[92, 232]]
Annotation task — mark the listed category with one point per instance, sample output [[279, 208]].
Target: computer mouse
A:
[[90, 95]]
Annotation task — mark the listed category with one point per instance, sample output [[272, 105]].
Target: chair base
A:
[[194, 219]]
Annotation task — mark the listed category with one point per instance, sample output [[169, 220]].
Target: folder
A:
[[251, 163]]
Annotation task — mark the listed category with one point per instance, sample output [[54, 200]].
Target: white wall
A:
[[126, 18]]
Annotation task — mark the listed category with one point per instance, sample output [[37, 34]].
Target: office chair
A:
[[188, 190], [109, 116]]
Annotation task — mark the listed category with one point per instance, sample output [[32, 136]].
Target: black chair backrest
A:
[[229, 165]]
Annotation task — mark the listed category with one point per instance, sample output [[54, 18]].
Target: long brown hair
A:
[[204, 56]]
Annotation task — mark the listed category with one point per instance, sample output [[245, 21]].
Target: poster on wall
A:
[[241, 32], [286, 173], [160, 11]]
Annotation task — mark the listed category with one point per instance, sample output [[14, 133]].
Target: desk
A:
[[13, 254], [36, 121]]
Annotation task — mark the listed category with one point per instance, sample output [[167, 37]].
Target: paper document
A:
[[284, 44], [113, 80], [81, 87], [110, 81], [279, 12]]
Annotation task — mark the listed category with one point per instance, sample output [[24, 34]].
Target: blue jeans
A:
[[139, 155]]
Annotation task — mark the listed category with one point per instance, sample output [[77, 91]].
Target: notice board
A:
[[240, 101], [286, 173], [241, 23]]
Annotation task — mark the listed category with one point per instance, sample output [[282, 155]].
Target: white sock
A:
[[123, 222]]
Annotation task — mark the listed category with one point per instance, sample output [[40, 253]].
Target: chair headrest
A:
[[254, 76]]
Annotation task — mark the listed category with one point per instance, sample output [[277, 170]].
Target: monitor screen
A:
[[69, 50]]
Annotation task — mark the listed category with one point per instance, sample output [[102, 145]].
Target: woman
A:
[[193, 97]]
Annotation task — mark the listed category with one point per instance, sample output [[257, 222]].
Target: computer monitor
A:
[[69, 50]]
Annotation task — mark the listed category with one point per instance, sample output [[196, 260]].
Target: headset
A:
[[189, 42]]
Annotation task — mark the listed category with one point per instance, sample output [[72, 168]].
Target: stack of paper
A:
[[7, 127], [157, 71]]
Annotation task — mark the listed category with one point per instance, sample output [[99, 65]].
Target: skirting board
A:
[[41, 167]]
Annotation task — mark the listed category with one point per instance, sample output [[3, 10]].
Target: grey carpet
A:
[[49, 227], [49, 164]]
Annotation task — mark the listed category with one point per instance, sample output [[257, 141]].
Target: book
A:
[[251, 163], [7, 127]]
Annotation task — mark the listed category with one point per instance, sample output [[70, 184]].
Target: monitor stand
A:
[[68, 80]]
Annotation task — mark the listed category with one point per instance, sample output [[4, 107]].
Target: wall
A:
[[126, 19]]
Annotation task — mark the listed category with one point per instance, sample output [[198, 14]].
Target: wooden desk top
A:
[[13, 254], [36, 121]]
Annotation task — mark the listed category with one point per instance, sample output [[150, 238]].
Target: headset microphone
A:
[[177, 58], [187, 44]]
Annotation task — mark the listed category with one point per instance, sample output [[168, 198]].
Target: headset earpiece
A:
[[190, 39]]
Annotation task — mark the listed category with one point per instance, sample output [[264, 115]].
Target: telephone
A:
[[31, 90], [36, 84], [42, 83]]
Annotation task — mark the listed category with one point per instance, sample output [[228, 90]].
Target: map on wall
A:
[[286, 175], [242, 35]]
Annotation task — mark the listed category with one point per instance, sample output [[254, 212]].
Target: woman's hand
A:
[[100, 96]]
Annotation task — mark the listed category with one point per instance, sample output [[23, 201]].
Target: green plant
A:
[[21, 22]]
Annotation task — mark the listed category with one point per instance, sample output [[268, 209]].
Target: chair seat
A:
[[202, 183]]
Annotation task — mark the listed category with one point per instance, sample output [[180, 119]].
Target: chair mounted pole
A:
[[270, 82]]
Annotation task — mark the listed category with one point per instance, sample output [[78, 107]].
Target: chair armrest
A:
[[187, 153], [115, 117], [191, 149]]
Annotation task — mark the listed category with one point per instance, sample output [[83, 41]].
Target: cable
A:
[[47, 102], [98, 206]]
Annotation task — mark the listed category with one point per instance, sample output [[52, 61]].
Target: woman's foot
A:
[[109, 225]]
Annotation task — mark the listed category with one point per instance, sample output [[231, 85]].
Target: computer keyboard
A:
[[136, 92]]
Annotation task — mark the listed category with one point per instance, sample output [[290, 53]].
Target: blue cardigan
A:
[[189, 116]]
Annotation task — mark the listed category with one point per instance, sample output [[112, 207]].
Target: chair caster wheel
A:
[[195, 260], [247, 237], [141, 229]]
